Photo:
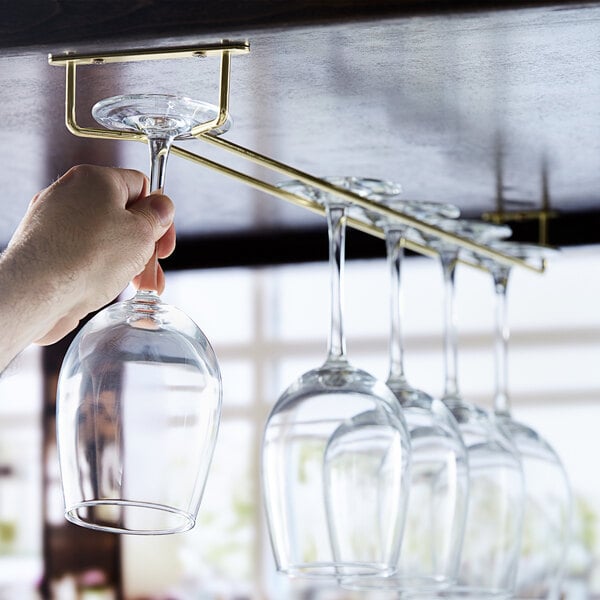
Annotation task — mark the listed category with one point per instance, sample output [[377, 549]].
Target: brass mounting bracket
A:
[[542, 216], [71, 61], [225, 50]]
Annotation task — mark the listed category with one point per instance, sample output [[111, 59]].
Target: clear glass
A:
[[548, 498], [336, 451], [492, 538], [438, 495], [139, 392]]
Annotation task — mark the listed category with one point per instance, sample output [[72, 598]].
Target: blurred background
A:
[[268, 325]]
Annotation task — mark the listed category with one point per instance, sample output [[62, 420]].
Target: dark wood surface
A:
[[461, 102], [40, 23]]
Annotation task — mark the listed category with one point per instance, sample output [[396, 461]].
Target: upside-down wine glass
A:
[[336, 451], [548, 502], [496, 488], [139, 393], [438, 494]]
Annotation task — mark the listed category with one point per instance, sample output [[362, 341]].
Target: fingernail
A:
[[163, 210]]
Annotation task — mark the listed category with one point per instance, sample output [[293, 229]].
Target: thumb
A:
[[157, 209]]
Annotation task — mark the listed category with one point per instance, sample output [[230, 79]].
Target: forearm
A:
[[28, 305]]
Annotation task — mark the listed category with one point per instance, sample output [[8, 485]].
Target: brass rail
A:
[[100, 58], [225, 50]]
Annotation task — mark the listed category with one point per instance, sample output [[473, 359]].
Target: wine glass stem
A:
[[395, 253], [501, 399], [159, 147], [159, 153], [336, 224], [448, 259]]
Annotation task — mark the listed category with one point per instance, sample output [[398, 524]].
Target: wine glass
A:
[[438, 495], [139, 392], [496, 487], [548, 502], [336, 451]]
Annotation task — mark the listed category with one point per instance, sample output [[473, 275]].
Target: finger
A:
[[130, 184], [148, 277], [145, 190], [158, 210], [60, 329], [35, 198], [160, 280], [166, 244], [136, 184]]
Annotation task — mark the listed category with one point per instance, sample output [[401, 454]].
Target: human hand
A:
[[81, 241]]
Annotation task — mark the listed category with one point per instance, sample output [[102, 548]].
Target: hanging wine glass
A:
[[492, 537], [139, 393], [335, 460], [548, 503], [439, 473]]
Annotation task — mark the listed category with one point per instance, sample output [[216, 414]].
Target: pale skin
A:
[[81, 241]]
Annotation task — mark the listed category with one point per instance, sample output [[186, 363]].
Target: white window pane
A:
[[21, 476], [238, 382], [548, 369], [421, 294], [286, 370], [373, 362], [565, 296], [21, 385], [300, 302], [366, 300], [219, 301]]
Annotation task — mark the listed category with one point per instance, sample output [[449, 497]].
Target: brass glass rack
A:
[[225, 50]]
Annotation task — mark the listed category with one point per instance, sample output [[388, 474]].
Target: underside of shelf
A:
[[471, 103]]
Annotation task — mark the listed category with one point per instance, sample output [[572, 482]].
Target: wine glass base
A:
[[425, 585], [459, 593], [162, 115], [336, 570], [125, 516]]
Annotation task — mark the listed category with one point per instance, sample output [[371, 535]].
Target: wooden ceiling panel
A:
[[460, 106]]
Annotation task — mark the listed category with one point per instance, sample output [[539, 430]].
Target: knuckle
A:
[[80, 172]]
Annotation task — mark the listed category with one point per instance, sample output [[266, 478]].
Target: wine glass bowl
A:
[[328, 436], [137, 419], [495, 507], [139, 391], [548, 507]]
